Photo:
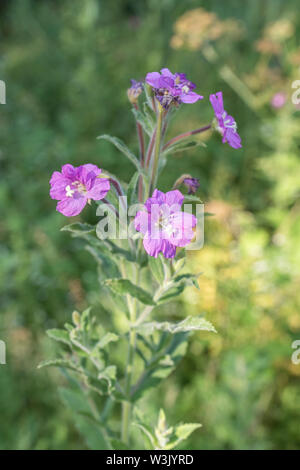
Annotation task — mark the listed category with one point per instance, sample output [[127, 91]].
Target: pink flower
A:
[[172, 88], [74, 187], [278, 100], [164, 225], [226, 124]]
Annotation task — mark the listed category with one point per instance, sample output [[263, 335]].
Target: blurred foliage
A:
[[67, 66]]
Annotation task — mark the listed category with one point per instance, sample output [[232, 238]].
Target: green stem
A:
[[127, 405], [157, 148]]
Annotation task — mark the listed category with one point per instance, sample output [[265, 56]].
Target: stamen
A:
[[69, 191]]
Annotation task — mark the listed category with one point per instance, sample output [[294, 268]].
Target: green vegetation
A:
[[67, 66]]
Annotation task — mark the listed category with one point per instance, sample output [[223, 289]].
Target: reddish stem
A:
[[184, 135], [150, 149]]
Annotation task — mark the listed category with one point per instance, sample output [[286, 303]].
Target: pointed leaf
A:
[[123, 148], [124, 286], [59, 335], [188, 324]]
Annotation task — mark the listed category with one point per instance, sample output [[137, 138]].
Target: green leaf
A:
[[188, 324], [183, 145], [60, 363], [75, 400], [92, 431], [187, 280], [105, 260], [157, 268], [104, 383], [172, 292], [118, 445], [192, 198], [145, 120], [123, 148], [108, 338], [182, 432], [124, 286], [59, 335], [78, 229], [161, 364]]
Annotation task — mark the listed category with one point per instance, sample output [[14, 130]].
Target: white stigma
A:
[[69, 191], [228, 122]]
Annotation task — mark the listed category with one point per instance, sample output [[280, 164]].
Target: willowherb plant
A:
[[139, 244]]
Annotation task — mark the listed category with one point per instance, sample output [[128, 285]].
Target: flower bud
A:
[[134, 91], [192, 184]]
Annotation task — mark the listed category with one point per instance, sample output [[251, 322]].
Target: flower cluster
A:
[[162, 223], [172, 88]]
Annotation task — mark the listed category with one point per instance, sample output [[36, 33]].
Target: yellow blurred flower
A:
[[196, 26]]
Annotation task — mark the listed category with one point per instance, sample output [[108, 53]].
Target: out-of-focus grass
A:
[[67, 66]]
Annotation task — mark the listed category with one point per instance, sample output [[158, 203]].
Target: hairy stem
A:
[[150, 149], [140, 135], [127, 405]]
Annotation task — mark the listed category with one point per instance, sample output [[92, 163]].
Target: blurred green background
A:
[[67, 65]]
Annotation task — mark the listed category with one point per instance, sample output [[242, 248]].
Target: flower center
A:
[[164, 224], [79, 187], [185, 89], [229, 122]]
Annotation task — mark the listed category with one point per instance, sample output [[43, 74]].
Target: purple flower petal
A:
[[68, 171], [168, 250], [71, 206], [153, 247], [164, 225], [182, 223], [58, 185], [174, 198], [226, 123], [74, 186], [217, 102], [99, 189], [142, 222], [190, 97], [153, 79], [233, 139]]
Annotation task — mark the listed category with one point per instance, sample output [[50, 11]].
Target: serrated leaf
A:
[[123, 148], [78, 229], [108, 338], [60, 363], [188, 324], [182, 432], [124, 286], [59, 335]]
